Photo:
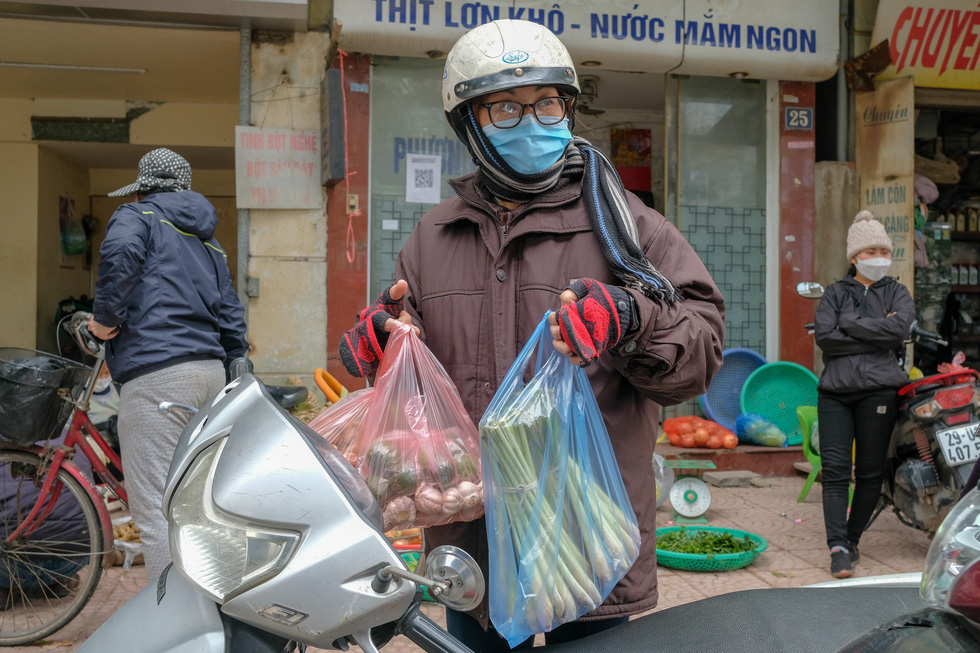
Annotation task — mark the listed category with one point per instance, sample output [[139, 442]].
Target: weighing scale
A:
[[689, 496]]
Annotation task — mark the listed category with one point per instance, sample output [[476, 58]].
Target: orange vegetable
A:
[[729, 441], [684, 428], [714, 442], [687, 441], [675, 439]]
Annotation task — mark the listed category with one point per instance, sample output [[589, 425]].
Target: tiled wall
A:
[[732, 244], [390, 211]]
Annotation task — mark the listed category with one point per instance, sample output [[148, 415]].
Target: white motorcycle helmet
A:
[[505, 54]]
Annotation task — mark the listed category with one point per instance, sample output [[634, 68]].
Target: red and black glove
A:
[[362, 346], [597, 321]]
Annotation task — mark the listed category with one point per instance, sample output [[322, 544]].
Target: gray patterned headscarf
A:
[[160, 171]]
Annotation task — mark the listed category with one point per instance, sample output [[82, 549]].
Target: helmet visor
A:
[[512, 78]]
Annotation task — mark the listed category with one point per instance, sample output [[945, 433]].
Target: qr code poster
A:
[[423, 178]]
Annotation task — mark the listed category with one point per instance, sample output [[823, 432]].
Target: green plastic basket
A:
[[707, 562], [775, 390]]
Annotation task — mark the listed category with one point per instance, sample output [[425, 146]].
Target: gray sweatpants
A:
[[147, 440]]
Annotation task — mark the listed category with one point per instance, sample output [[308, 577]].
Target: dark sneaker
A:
[[855, 555], [840, 563]]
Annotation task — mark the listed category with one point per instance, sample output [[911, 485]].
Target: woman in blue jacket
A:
[[165, 303], [861, 325]]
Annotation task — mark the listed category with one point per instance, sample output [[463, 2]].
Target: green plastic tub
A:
[[707, 562]]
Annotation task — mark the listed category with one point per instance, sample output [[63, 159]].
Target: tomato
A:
[[730, 441], [714, 442], [687, 441]]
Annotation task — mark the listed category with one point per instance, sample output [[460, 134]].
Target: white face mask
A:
[[102, 384], [873, 268]]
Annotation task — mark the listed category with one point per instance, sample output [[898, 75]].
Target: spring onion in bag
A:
[[562, 533]]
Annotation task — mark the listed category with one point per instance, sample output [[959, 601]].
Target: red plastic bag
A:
[[411, 439]]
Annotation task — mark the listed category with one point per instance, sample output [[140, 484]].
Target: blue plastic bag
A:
[[756, 429], [561, 529]]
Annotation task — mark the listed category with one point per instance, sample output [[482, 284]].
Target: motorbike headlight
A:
[[222, 554], [951, 579]]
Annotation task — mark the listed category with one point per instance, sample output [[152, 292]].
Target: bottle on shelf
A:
[[974, 275], [972, 220], [960, 222]]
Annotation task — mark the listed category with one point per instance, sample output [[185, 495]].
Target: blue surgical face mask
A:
[[530, 147]]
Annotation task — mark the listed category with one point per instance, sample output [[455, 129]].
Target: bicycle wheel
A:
[[48, 575]]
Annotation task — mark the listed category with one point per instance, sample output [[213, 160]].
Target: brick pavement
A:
[[797, 555]]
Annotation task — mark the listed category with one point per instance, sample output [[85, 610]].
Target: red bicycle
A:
[[55, 526]]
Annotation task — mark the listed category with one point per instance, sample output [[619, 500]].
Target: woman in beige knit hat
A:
[[860, 325]]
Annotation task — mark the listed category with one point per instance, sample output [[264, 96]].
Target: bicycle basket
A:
[[30, 408]]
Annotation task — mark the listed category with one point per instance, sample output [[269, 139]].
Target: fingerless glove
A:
[[597, 321], [362, 346]]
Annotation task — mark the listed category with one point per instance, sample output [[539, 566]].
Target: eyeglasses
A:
[[507, 114]]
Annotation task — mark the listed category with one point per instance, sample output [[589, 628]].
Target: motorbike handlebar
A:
[[427, 634], [922, 334]]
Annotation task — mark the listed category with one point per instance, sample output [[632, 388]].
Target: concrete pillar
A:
[[288, 255]]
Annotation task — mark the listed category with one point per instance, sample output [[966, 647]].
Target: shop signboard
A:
[[936, 42], [884, 129], [277, 168], [762, 39]]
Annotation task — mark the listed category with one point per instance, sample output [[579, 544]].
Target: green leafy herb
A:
[[701, 542]]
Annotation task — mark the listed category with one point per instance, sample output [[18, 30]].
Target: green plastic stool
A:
[[807, 416]]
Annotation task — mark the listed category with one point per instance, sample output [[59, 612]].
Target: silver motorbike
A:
[[277, 544]]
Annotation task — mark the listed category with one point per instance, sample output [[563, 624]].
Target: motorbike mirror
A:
[[809, 289], [462, 581]]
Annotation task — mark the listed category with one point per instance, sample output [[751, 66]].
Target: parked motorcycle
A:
[[935, 443], [277, 545]]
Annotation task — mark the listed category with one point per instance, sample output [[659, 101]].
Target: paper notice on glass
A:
[[423, 178]]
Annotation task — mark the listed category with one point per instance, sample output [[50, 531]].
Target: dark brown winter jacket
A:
[[481, 278]]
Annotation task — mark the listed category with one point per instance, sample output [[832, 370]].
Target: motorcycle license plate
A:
[[960, 445]]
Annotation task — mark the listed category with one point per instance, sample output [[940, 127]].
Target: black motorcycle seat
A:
[[288, 396], [791, 620]]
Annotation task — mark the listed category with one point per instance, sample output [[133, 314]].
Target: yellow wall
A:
[[15, 119], [18, 250], [174, 124], [58, 276]]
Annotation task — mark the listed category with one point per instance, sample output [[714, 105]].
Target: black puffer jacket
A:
[[860, 342]]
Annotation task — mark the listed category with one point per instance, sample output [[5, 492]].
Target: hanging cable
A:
[[350, 242]]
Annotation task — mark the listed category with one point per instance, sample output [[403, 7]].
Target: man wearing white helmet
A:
[[545, 224]]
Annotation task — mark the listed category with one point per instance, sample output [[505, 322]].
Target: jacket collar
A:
[[524, 218]]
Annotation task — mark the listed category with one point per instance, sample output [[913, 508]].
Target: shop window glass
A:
[[716, 191], [406, 118]]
